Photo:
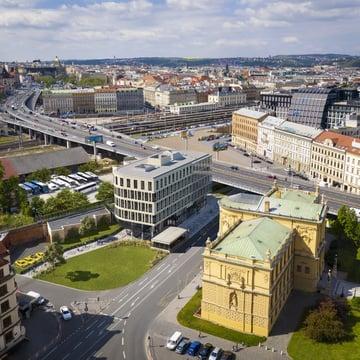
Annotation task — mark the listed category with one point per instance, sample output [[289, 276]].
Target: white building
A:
[[165, 96], [292, 145], [265, 141], [192, 108], [161, 190], [352, 168], [105, 100], [228, 96]]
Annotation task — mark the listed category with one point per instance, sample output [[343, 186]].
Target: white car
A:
[[65, 313]]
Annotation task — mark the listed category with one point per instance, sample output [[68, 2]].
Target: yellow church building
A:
[[266, 246]]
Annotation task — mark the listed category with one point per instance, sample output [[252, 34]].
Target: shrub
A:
[[72, 234], [325, 323], [103, 222], [87, 226]]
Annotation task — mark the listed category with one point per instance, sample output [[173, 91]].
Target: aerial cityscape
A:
[[179, 180]]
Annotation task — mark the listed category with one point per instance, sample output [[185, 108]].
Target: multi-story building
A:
[[105, 100], [149, 95], [245, 124], [84, 101], [252, 92], [309, 106], [227, 96], [266, 246], [352, 168], [277, 102], [8, 81], [191, 108], [292, 145], [11, 331], [338, 113], [58, 101], [166, 95], [161, 190], [328, 154], [265, 140], [130, 99]]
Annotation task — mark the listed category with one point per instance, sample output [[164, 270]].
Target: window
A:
[[7, 322], [135, 184], [5, 306], [307, 270], [3, 290], [128, 183], [298, 268], [142, 184], [9, 337]]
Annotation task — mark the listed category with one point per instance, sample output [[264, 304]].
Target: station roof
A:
[[169, 235]]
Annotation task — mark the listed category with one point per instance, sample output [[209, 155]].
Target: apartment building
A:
[[130, 99], [266, 246], [245, 124], [161, 190], [11, 330], [292, 145], [328, 155], [84, 101], [166, 95], [227, 96], [58, 101], [192, 108], [352, 168], [105, 100], [265, 140]]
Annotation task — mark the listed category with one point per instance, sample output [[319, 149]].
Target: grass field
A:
[[302, 348], [113, 229], [102, 269], [186, 318]]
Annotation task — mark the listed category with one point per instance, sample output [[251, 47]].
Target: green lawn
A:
[[186, 318], [302, 348], [102, 269], [8, 139], [113, 229]]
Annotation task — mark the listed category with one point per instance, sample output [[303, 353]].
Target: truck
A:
[[110, 143]]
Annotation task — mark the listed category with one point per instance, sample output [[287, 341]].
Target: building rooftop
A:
[[285, 202], [159, 164], [272, 121], [257, 239], [250, 113], [299, 129], [169, 235]]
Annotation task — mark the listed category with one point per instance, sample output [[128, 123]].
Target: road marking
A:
[[122, 297], [123, 331], [153, 284], [89, 334], [101, 323], [122, 341], [169, 271], [124, 355], [175, 260], [141, 282], [50, 352], [133, 303], [75, 347], [125, 323], [66, 356]]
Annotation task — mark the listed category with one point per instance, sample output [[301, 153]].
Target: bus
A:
[[86, 188], [71, 182], [34, 188], [77, 178], [93, 176], [26, 189], [85, 176], [60, 183], [43, 187]]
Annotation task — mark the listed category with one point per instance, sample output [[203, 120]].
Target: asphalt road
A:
[[120, 330]]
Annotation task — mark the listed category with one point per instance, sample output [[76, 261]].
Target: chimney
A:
[[267, 206]]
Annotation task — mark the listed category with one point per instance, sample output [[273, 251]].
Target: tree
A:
[[324, 324], [347, 224], [43, 175], [37, 206], [87, 226], [105, 192], [103, 222], [62, 171], [47, 80], [89, 166], [2, 171], [12, 197], [54, 254]]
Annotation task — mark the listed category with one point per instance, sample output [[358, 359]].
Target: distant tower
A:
[[226, 72]]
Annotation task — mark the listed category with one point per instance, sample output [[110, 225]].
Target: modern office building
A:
[[161, 190], [105, 100], [11, 330], [227, 96], [292, 145], [265, 140], [339, 112], [130, 99], [245, 124], [277, 102], [266, 246], [309, 106]]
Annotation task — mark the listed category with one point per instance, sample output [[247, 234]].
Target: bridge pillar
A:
[[45, 139], [68, 144], [95, 151]]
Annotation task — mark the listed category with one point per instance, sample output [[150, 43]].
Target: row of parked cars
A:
[[181, 345]]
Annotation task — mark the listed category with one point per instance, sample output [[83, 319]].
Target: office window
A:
[[307, 270], [3, 290], [142, 184], [135, 184], [5, 306], [7, 322], [128, 184], [298, 268]]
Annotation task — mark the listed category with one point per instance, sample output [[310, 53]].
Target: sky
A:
[[83, 29]]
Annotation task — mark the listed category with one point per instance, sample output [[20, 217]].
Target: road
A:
[[120, 330], [248, 179]]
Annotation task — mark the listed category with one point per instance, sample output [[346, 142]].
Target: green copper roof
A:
[[253, 239], [297, 195]]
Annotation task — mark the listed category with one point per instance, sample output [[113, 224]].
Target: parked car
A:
[[257, 161], [193, 348], [227, 355], [205, 351], [246, 154], [173, 342], [182, 346], [272, 177], [216, 354], [234, 168], [65, 313]]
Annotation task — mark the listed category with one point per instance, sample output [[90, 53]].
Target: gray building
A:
[[277, 102], [130, 99], [340, 111]]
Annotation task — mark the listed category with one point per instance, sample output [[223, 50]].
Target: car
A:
[[257, 161], [205, 351], [234, 168], [272, 177], [227, 355], [216, 354], [65, 313], [193, 348], [246, 154], [182, 346], [174, 340]]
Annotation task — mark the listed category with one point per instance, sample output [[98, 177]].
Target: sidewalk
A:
[[166, 324]]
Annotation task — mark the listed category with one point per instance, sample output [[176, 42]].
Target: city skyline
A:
[[176, 28]]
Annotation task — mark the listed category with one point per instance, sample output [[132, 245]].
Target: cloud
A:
[[240, 42], [290, 39]]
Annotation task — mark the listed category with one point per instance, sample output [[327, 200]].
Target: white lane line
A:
[[174, 261], [125, 323], [124, 355], [122, 341], [66, 356], [123, 331], [133, 303], [122, 298], [137, 292], [89, 334], [50, 352], [153, 284], [75, 347], [142, 281]]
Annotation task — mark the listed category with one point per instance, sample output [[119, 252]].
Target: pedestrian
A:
[[199, 334]]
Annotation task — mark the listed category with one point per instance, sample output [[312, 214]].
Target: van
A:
[[110, 143], [38, 299], [174, 340]]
